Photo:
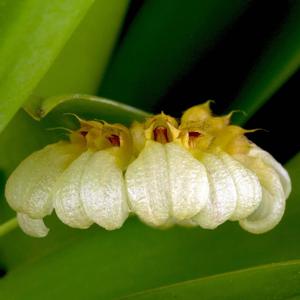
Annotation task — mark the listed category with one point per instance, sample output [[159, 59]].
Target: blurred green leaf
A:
[[91, 107], [274, 281], [81, 63], [154, 53], [32, 34], [276, 65]]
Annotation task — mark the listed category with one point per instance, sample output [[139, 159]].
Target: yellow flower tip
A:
[[232, 140], [193, 139], [85, 131], [215, 124], [100, 135], [197, 113], [200, 130], [161, 128]]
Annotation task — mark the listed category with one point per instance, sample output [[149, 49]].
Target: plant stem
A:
[[8, 226]]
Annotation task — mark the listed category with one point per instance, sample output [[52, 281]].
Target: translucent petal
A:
[[189, 187], [255, 151], [148, 185], [103, 191], [272, 206], [223, 195], [29, 186], [249, 192], [66, 194], [32, 227]]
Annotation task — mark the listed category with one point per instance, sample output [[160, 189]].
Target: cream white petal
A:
[[189, 187], [29, 187], [66, 194], [148, 185], [103, 191], [223, 195], [272, 206], [256, 151], [32, 227], [249, 192]]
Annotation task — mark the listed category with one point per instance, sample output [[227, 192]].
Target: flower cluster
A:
[[201, 171]]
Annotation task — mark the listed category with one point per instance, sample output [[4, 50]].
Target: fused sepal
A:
[[272, 206], [32, 227], [28, 189], [223, 196], [103, 192], [67, 194]]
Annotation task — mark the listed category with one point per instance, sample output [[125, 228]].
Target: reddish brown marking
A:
[[194, 134], [83, 133], [161, 134], [114, 140]]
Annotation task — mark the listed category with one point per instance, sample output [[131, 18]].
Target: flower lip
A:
[[161, 128], [194, 134], [114, 140], [160, 134], [117, 135], [83, 133], [193, 137]]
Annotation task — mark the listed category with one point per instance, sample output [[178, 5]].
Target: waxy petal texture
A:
[[272, 206], [223, 196], [188, 182], [32, 227], [28, 189], [67, 194], [166, 184], [268, 159], [247, 185], [103, 191], [148, 185]]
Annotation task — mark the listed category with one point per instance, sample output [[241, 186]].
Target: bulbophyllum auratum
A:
[[200, 171], [81, 179]]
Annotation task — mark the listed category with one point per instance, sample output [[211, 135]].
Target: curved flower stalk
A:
[[81, 179], [201, 171]]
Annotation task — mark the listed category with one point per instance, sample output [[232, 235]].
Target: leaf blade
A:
[[80, 65], [279, 280], [41, 28]]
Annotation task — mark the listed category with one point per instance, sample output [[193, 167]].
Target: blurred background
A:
[[191, 51]]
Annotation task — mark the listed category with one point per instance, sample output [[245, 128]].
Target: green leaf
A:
[[274, 281], [276, 65], [154, 53], [32, 34], [81, 63], [88, 106]]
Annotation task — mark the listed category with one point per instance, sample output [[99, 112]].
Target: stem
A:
[[8, 226]]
